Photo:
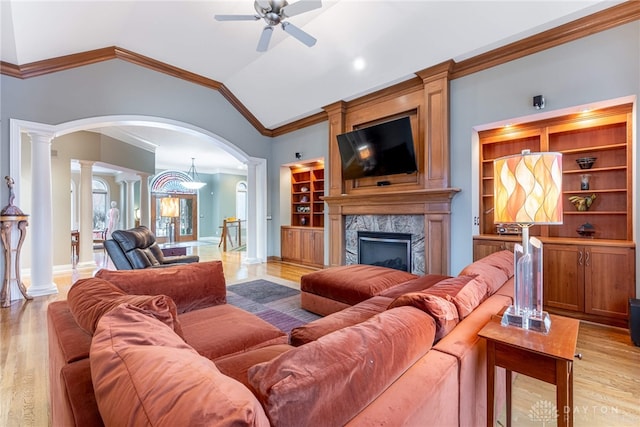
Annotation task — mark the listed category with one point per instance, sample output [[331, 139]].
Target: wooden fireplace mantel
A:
[[411, 202], [433, 204]]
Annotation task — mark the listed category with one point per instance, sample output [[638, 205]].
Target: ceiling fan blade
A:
[[301, 6], [236, 17], [265, 38], [299, 34]]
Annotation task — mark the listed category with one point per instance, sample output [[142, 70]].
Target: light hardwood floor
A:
[[606, 382]]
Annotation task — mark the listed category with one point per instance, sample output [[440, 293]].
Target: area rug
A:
[[274, 303]]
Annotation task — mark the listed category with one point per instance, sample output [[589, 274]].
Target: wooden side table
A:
[[7, 222], [546, 357]]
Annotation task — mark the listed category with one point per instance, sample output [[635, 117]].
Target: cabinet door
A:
[[318, 247], [564, 277], [290, 243], [482, 247], [312, 247], [609, 280]]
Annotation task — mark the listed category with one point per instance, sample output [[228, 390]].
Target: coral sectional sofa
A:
[[189, 299], [134, 349]]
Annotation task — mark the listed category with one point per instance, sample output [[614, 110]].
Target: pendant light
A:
[[195, 183]]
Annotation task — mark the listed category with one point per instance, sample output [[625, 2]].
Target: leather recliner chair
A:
[[136, 248]]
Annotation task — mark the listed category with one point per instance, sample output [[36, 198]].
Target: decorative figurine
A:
[[582, 203], [586, 230], [10, 209]]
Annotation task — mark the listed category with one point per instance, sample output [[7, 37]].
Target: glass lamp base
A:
[[539, 322]]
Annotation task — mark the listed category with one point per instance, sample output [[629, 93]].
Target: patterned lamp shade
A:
[[528, 188], [170, 207]]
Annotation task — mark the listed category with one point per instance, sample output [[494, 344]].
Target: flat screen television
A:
[[382, 149]]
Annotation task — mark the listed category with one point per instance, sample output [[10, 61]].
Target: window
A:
[[100, 203], [241, 200]]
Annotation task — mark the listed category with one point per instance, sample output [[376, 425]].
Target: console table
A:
[[546, 357], [7, 223]]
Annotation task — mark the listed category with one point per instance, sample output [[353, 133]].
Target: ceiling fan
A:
[[275, 12]]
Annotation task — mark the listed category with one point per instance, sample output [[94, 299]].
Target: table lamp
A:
[[170, 208], [527, 192]]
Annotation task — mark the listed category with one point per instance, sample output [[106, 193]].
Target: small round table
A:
[[7, 222]]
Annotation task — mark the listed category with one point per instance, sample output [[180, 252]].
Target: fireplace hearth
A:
[[392, 250]]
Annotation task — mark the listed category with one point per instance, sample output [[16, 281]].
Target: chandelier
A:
[[195, 183]]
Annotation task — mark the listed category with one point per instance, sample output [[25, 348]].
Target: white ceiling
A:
[[394, 38]]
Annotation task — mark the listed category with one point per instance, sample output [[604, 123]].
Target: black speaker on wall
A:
[[634, 320]]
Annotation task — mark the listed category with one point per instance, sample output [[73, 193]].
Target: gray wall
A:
[[217, 201]]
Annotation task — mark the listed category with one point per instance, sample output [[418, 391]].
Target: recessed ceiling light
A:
[[359, 64]]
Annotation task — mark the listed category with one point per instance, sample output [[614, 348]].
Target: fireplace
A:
[[391, 250]]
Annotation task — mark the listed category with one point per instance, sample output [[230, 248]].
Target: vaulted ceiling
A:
[[390, 39]]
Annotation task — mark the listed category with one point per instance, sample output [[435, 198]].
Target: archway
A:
[[41, 230]]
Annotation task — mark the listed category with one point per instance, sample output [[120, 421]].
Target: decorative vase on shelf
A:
[[582, 203], [584, 181]]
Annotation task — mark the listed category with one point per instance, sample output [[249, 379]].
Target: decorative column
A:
[[130, 207], [41, 216], [145, 213], [256, 207], [86, 215], [335, 225]]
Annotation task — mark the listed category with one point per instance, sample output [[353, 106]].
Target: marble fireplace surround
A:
[[409, 224], [425, 213]]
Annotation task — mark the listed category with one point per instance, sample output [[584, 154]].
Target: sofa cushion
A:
[[352, 284], [493, 270], [418, 284], [237, 366], [223, 330], [90, 299], [341, 319], [466, 292], [190, 286], [443, 311], [329, 381], [144, 374]]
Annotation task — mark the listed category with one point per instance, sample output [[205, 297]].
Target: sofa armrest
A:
[[180, 259]]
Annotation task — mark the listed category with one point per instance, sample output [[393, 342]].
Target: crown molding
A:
[[614, 16], [606, 19]]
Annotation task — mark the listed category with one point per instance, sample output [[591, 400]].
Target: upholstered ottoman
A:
[[336, 288]]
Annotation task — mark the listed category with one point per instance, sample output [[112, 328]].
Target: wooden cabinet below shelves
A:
[[590, 279], [302, 245]]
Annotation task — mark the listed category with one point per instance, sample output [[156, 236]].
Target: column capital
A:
[[41, 136]]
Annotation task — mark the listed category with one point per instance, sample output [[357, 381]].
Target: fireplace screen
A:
[[391, 250]]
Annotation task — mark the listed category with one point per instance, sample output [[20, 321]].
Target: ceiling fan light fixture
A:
[[195, 183], [274, 12]]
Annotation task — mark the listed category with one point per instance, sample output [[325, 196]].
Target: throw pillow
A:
[[465, 291], [190, 286], [144, 374], [443, 311], [90, 299], [494, 270]]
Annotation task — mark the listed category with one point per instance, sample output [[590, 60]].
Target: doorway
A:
[[175, 229]]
